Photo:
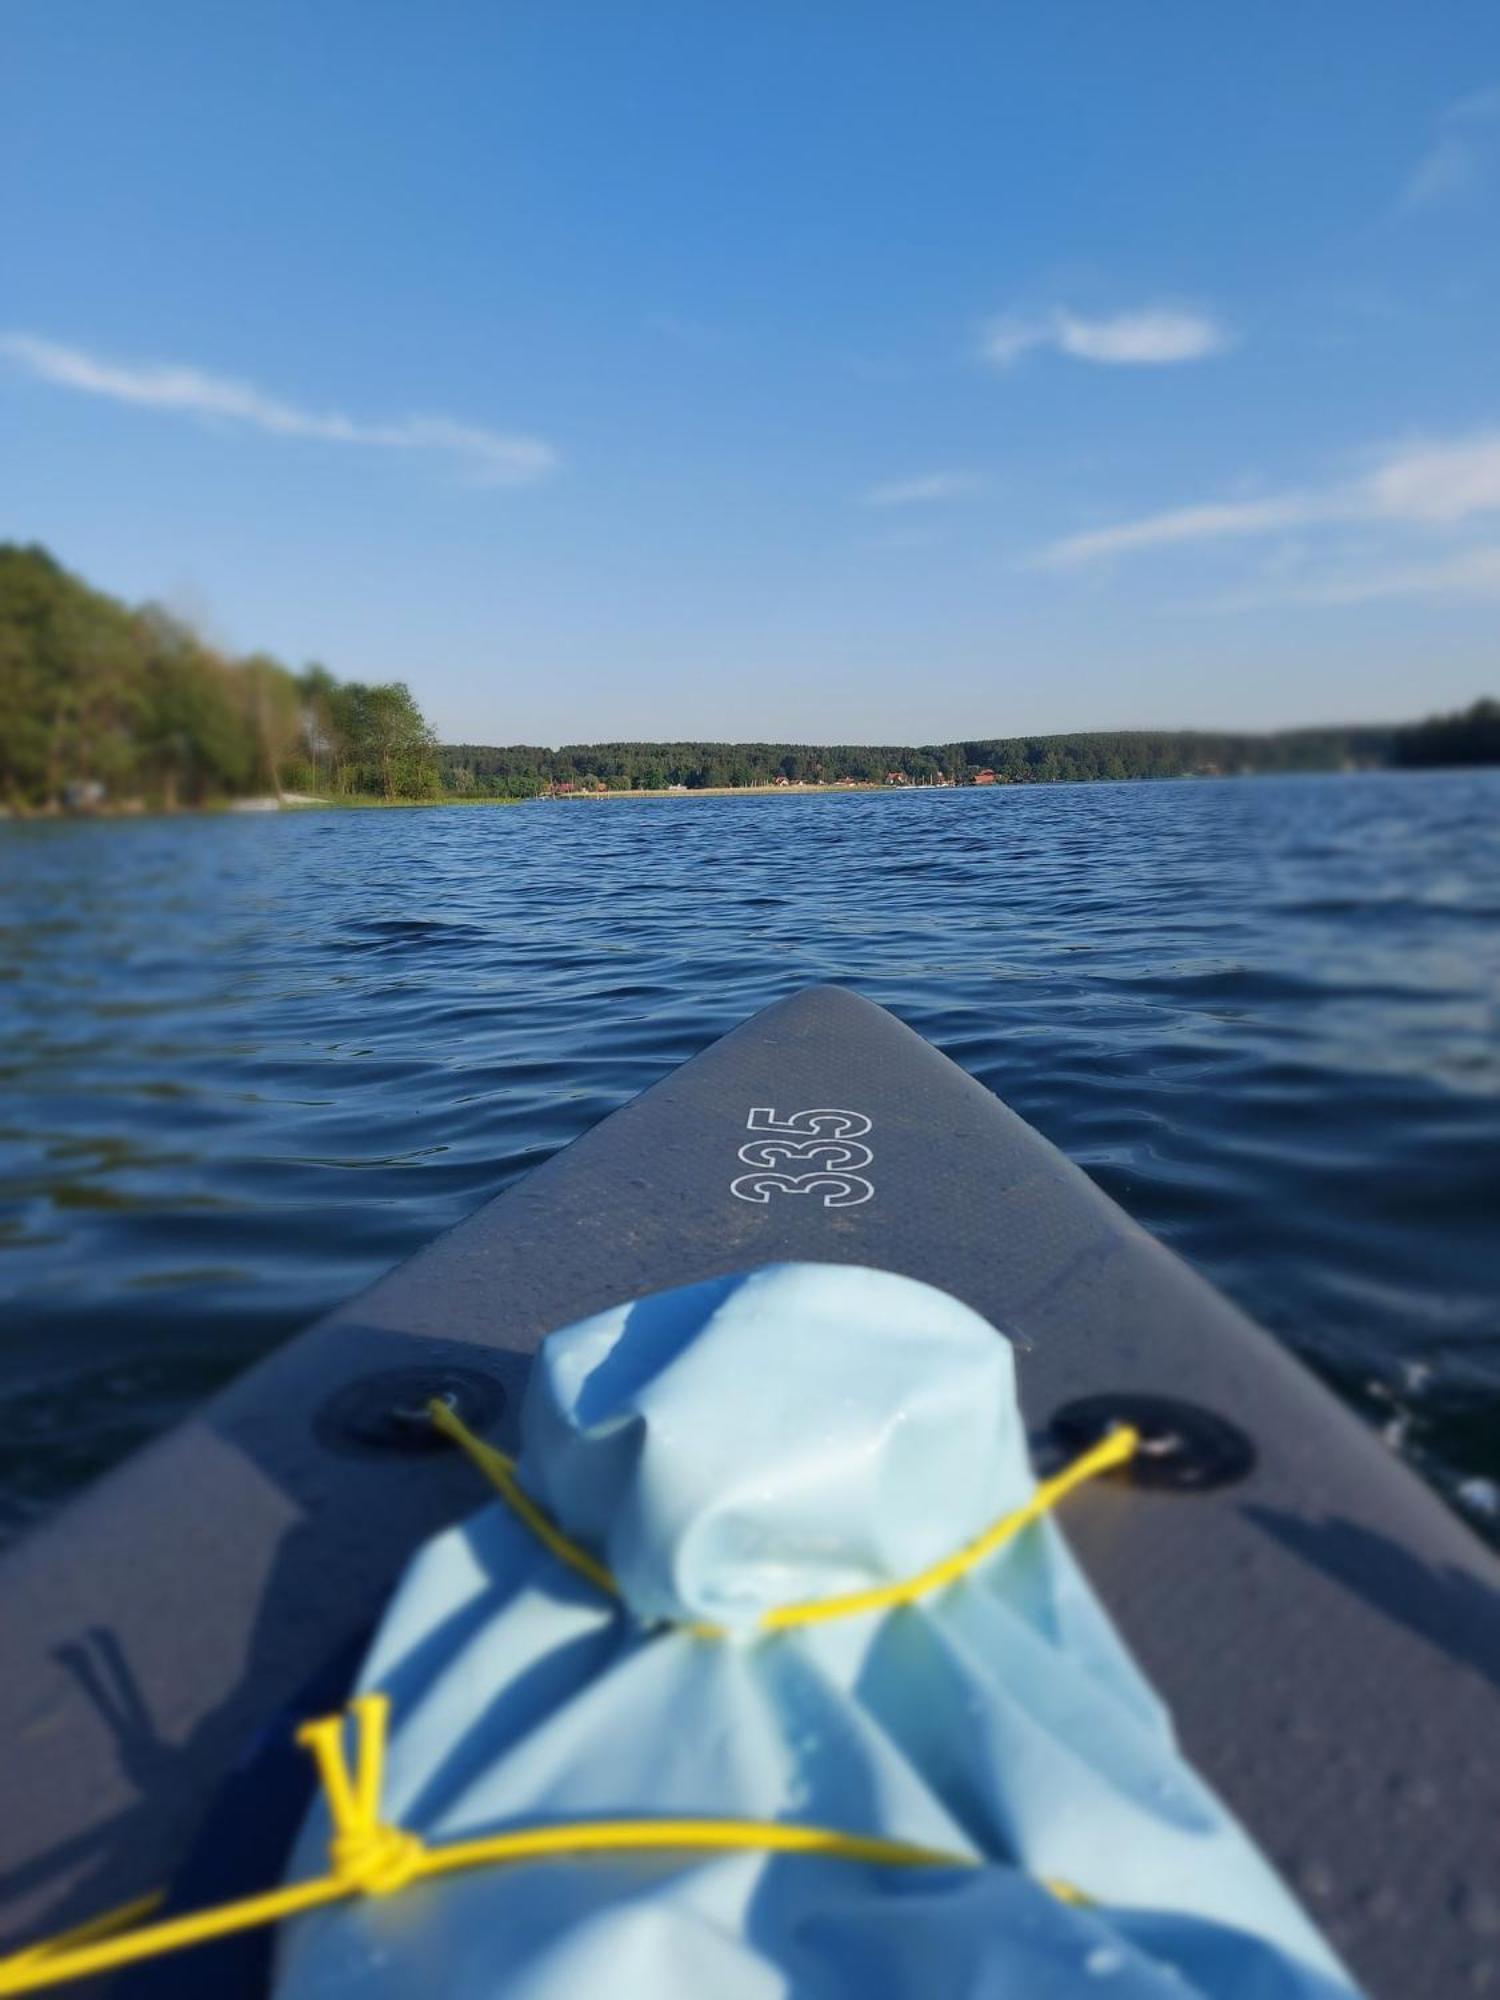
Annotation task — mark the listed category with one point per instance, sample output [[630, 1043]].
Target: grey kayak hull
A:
[[1326, 1633]]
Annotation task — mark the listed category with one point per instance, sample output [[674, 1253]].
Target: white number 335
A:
[[806, 1152]]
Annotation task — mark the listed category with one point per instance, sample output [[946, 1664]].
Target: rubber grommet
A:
[[1184, 1448], [387, 1412]]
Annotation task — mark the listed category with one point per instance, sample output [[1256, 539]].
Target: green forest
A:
[[525, 770], [111, 707], [103, 704]]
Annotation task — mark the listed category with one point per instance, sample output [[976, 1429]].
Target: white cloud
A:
[[1151, 337], [1462, 576], [924, 490], [1215, 521], [1458, 161], [1473, 572], [1420, 486], [1439, 482], [492, 457]]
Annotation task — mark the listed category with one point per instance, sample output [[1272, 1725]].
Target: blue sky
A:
[[836, 371]]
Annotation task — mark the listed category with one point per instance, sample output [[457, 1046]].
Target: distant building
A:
[[897, 778], [984, 777]]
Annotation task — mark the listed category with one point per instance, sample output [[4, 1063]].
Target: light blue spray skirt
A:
[[791, 1434]]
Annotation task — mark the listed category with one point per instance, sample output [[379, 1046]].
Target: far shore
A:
[[223, 808], [744, 791], [304, 802]]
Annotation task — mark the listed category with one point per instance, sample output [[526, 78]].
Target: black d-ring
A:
[[387, 1412], [1183, 1449]]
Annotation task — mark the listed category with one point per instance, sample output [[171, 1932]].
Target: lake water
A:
[[250, 1062]]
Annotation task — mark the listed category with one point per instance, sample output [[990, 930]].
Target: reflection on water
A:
[[250, 1063]]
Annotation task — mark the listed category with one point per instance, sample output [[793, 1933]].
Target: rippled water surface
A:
[[250, 1062]]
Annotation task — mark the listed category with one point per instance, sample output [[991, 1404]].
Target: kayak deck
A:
[[1326, 1634]]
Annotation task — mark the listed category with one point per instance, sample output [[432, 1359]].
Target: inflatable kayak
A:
[[1325, 1635]]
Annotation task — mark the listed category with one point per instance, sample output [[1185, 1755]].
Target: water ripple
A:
[[250, 1063]]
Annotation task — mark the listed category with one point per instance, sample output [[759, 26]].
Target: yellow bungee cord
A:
[[369, 1856], [1116, 1448]]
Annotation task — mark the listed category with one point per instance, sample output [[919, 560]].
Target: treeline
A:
[[525, 770], [105, 704], [1471, 737]]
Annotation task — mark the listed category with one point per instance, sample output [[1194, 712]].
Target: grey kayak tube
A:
[[1326, 1633]]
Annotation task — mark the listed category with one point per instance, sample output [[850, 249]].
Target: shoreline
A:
[[741, 791], [293, 803], [127, 809], [236, 808]]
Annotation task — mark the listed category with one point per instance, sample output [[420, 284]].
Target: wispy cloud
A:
[[1438, 482], [1435, 485], [1215, 521], [1457, 162], [493, 458], [1472, 572], [925, 490], [1153, 336], [1464, 574]]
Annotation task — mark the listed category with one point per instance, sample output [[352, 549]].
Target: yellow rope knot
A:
[[365, 1854], [377, 1862]]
